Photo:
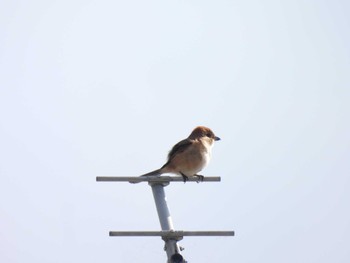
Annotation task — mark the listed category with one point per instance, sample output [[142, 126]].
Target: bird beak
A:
[[217, 138]]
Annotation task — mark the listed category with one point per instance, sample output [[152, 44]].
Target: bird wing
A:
[[178, 148]]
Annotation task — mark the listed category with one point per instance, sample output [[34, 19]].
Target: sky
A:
[[91, 88]]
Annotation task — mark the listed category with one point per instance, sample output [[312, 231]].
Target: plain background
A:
[[92, 88]]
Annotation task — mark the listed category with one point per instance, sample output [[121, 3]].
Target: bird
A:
[[189, 156]]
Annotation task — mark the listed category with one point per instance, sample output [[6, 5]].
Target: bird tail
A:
[[154, 173]]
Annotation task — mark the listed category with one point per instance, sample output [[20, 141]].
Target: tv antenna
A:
[[167, 233]]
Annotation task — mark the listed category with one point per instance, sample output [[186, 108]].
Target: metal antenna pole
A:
[[168, 233], [171, 247]]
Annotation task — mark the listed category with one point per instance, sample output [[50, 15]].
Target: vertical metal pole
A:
[[165, 220]]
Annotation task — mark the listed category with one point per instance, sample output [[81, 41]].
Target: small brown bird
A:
[[189, 156]]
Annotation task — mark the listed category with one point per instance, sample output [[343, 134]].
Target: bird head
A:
[[203, 132]]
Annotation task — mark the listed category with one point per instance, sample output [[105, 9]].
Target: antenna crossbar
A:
[[154, 179], [172, 234]]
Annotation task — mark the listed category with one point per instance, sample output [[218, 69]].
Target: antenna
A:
[[168, 233]]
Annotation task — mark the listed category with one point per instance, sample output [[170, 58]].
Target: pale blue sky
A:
[[92, 88]]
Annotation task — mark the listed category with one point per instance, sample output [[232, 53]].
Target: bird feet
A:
[[200, 178], [185, 177]]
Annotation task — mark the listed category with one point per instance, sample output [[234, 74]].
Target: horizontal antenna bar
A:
[[154, 179], [169, 234]]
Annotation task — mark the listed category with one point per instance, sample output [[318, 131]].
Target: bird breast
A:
[[200, 156]]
